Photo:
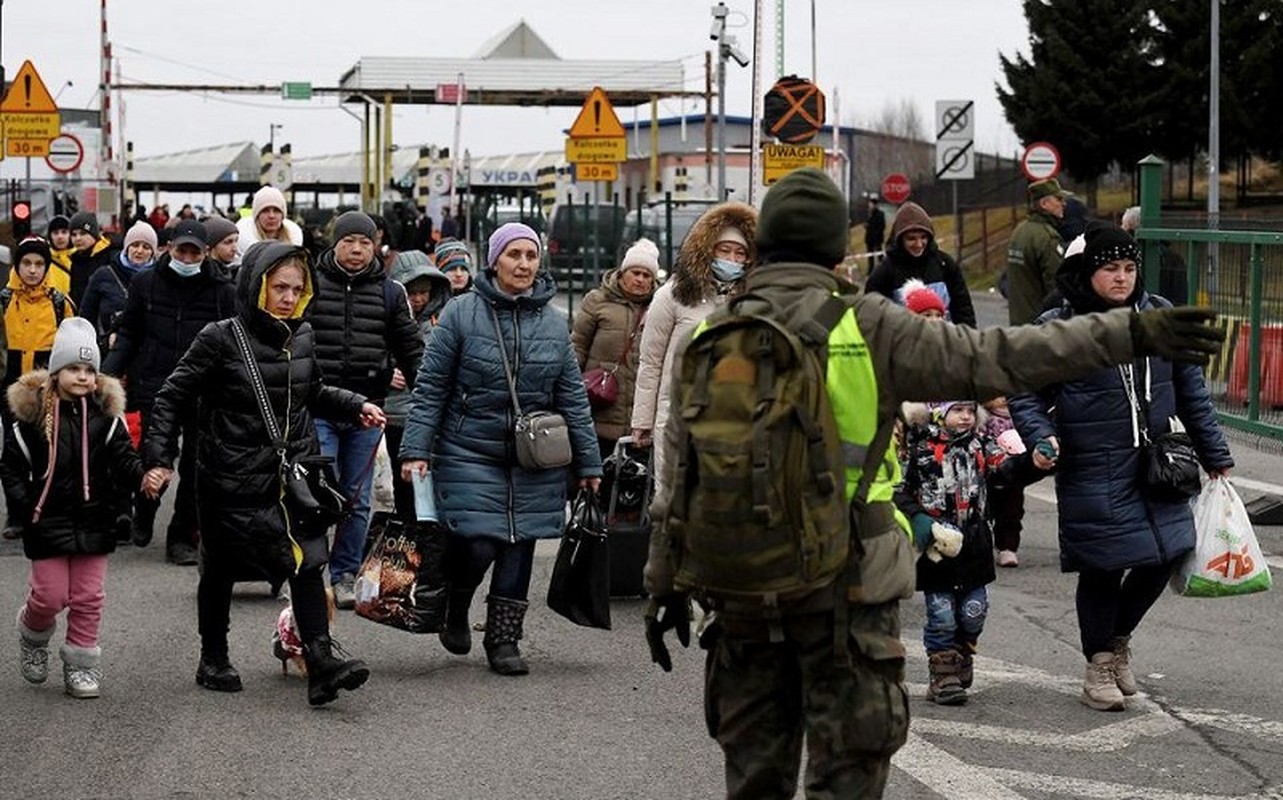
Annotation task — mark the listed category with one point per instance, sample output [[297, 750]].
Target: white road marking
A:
[[1256, 486], [1101, 790], [948, 775], [952, 777]]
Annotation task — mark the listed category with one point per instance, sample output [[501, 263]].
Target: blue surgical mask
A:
[[183, 268], [727, 270]]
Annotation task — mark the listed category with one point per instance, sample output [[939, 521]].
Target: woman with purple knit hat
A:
[[459, 430]]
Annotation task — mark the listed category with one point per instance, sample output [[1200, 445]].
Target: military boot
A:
[[456, 636], [82, 671], [946, 687], [329, 669], [1100, 686], [215, 671], [34, 649], [504, 618], [1126, 679]]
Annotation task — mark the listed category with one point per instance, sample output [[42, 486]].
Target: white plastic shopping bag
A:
[[1226, 559]]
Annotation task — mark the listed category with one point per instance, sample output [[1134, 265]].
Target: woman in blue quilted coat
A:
[[1122, 542], [460, 428]]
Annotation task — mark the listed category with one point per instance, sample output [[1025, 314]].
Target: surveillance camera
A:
[[720, 11], [715, 32], [735, 53]]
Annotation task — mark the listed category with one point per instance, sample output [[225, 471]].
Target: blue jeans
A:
[[955, 620], [352, 448]]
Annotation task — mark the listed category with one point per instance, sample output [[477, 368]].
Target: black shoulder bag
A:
[[311, 493], [1170, 470]]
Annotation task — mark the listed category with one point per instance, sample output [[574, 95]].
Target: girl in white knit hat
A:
[[66, 468], [268, 221]]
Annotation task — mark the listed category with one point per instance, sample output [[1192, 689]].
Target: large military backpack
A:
[[758, 512]]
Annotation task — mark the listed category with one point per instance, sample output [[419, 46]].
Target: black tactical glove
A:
[[1176, 334], [671, 612]]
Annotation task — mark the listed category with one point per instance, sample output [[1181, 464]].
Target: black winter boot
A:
[[503, 630], [456, 636], [216, 673], [328, 672]]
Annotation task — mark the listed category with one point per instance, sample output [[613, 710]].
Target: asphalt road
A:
[[595, 719]]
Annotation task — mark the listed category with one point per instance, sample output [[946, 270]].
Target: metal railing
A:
[[1239, 273]]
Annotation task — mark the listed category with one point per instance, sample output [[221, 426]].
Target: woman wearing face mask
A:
[[109, 287], [267, 222], [710, 268], [914, 254], [167, 306]]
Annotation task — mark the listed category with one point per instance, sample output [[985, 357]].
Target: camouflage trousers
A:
[[763, 698]]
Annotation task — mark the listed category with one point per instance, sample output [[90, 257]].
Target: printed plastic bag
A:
[[401, 584], [1226, 559]]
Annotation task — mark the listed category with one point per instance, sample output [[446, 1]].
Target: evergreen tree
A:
[[1087, 84]]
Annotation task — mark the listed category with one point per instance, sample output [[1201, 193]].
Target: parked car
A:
[[652, 222], [583, 242]]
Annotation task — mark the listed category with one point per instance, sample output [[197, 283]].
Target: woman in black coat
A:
[[244, 519], [1121, 540]]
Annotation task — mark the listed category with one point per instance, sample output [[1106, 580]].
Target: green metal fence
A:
[[1238, 273]]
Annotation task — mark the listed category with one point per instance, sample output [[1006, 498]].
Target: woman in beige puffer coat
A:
[[710, 268], [607, 334]]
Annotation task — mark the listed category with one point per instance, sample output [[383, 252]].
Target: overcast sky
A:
[[873, 52]]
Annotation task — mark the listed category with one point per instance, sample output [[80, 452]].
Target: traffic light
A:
[[21, 216]]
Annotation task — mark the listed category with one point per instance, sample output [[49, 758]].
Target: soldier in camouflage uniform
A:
[[1034, 252], [830, 665]]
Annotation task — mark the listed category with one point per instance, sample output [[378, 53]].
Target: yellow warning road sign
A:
[[28, 94], [27, 148], [597, 118], [779, 160]]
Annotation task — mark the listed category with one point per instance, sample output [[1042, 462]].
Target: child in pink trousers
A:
[[67, 463]]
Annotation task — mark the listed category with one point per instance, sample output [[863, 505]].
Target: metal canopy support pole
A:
[[755, 146], [454, 149]]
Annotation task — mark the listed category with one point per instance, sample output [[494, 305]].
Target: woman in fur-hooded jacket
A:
[[710, 268]]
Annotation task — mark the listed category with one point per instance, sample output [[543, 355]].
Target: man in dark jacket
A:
[[875, 230], [166, 307], [362, 324]]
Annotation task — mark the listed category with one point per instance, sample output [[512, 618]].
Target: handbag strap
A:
[[507, 368], [628, 343], [256, 383], [1138, 405]]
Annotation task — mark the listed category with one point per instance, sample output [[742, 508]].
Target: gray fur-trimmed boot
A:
[[504, 618], [35, 651], [82, 670]]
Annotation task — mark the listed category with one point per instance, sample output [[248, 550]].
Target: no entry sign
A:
[[65, 153], [1041, 160], [895, 188]]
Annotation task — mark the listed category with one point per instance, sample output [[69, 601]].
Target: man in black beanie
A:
[[359, 317], [828, 662]]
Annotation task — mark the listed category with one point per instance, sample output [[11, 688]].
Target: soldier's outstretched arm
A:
[[920, 359]]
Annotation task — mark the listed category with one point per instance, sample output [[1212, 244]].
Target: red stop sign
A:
[[895, 188]]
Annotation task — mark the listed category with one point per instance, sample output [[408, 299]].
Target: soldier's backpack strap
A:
[[851, 577]]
